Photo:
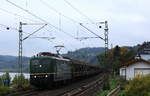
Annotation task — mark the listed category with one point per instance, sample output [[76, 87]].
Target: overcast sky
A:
[[128, 22]]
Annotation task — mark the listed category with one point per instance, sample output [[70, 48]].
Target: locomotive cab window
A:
[[35, 62]]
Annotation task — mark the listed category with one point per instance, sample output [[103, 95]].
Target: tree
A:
[[6, 79], [21, 79], [116, 51], [115, 58]]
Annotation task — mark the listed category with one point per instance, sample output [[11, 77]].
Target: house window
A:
[[141, 71]]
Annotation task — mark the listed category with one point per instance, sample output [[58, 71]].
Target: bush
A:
[[1, 81], [5, 79], [138, 86], [121, 93], [113, 82], [18, 80]]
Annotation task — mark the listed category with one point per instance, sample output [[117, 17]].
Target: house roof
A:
[[133, 61]]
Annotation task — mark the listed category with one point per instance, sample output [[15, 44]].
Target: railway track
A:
[[25, 93], [86, 90], [85, 87], [88, 87]]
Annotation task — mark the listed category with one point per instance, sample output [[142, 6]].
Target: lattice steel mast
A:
[[20, 52], [106, 38], [21, 39]]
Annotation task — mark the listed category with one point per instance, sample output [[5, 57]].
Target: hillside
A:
[[10, 63], [86, 54]]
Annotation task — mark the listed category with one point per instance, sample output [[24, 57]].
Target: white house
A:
[[139, 65], [134, 67]]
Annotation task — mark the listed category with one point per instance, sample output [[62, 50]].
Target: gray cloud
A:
[[128, 24]]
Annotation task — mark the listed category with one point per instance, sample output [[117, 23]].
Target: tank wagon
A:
[[47, 69]]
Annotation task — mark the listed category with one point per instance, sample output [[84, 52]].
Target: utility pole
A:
[[106, 37], [20, 53], [21, 39]]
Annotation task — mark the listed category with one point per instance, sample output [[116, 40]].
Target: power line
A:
[[30, 33], [9, 27], [78, 11], [51, 8], [48, 38], [32, 14], [39, 18], [25, 10], [34, 32], [84, 16], [92, 32], [15, 14], [60, 14]]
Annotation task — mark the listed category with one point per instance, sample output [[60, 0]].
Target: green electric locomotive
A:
[[47, 69]]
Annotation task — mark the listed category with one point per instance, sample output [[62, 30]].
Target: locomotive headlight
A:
[[40, 66], [34, 76], [46, 76]]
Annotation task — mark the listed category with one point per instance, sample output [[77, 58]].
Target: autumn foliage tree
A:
[[114, 58]]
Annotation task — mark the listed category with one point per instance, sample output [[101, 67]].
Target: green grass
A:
[[113, 82], [103, 93], [4, 90], [121, 93]]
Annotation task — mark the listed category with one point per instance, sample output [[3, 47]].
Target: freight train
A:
[[47, 70]]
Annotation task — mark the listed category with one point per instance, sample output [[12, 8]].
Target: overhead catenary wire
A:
[[44, 37], [49, 24], [92, 32], [5, 26], [50, 7], [41, 19], [34, 32], [12, 28], [15, 14], [9, 27], [79, 11], [58, 12], [32, 14], [85, 17]]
